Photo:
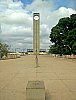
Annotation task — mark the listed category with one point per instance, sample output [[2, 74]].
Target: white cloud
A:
[[16, 30], [17, 17], [38, 5], [54, 16], [15, 5], [16, 23]]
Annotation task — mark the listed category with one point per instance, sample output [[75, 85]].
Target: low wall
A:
[[13, 56], [63, 56], [70, 56]]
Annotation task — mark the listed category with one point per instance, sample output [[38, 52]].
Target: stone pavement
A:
[[58, 74]]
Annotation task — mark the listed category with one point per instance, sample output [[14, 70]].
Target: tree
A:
[[3, 49], [63, 35]]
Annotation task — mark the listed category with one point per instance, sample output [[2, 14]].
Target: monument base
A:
[[35, 90]]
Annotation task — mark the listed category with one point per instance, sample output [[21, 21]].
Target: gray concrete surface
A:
[[35, 90], [58, 74]]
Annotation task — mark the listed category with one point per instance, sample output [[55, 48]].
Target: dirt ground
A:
[[58, 74]]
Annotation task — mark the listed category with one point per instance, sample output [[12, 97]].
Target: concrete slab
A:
[[66, 75], [74, 94], [70, 84], [46, 76], [55, 86], [61, 96], [35, 90], [12, 94]]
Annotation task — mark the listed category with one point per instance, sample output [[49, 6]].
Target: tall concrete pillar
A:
[[36, 33]]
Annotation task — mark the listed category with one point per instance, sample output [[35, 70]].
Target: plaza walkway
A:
[[58, 74]]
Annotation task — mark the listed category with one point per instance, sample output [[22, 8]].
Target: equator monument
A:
[[36, 33], [35, 90]]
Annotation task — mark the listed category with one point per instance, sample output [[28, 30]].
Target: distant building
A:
[[29, 51], [42, 51]]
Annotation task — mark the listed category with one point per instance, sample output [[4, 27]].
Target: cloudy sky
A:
[[16, 22]]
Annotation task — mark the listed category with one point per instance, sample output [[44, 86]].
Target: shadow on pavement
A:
[[47, 95]]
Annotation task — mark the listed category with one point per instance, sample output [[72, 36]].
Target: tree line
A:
[[63, 36]]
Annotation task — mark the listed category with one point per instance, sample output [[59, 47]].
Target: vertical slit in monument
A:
[[36, 53]]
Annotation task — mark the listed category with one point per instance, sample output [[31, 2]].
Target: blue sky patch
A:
[[26, 1]]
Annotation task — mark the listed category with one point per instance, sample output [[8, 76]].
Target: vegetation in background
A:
[[63, 36], [3, 49]]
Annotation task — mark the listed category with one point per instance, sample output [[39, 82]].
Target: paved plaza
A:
[[58, 74]]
